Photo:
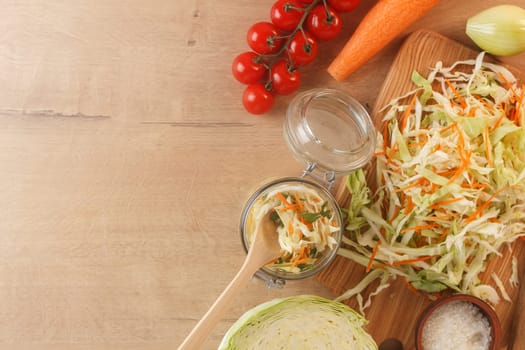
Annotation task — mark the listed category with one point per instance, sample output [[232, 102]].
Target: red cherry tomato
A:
[[256, 99], [302, 48], [343, 5], [323, 22], [246, 69], [284, 79], [286, 14], [306, 2], [264, 38]]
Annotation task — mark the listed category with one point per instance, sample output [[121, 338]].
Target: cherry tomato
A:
[[264, 38], [246, 69], [286, 14], [302, 49], [323, 22], [306, 2], [343, 5], [256, 99], [284, 79]]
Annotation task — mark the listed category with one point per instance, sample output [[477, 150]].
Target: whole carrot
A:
[[386, 20]]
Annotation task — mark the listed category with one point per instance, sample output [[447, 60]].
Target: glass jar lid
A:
[[330, 129]]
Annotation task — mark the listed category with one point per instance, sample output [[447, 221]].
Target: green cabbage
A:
[[299, 322]]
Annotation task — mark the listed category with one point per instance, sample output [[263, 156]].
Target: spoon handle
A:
[[204, 327]]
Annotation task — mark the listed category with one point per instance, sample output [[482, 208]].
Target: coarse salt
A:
[[457, 325]]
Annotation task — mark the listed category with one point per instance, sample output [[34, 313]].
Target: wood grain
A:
[[420, 52], [126, 158]]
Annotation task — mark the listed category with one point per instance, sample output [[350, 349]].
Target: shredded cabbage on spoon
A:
[[306, 225], [450, 176]]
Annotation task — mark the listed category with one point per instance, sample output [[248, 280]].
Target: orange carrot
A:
[[507, 83], [405, 262], [443, 234], [300, 258], [397, 208], [461, 142], [409, 205], [448, 127], [460, 99], [283, 199], [390, 154], [416, 144], [372, 257], [411, 287], [298, 202], [460, 170], [290, 227], [447, 173], [519, 102], [480, 209], [409, 186], [433, 187], [488, 146], [445, 202], [386, 20], [274, 260], [484, 102], [300, 261], [475, 185], [419, 228], [500, 118]]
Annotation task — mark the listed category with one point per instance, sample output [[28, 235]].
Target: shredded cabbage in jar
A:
[[305, 224], [450, 175]]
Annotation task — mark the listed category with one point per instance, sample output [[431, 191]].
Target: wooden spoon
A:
[[264, 247]]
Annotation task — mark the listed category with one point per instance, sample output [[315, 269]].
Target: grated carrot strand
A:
[[372, 257], [460, 98]]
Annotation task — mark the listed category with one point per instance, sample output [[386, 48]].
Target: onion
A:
[[499, 30]]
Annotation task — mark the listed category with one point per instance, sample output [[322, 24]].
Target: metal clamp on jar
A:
[[332, 134]]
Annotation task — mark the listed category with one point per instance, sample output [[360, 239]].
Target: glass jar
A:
[[332, 134]]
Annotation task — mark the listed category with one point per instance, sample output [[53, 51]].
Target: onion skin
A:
[[499, 30]]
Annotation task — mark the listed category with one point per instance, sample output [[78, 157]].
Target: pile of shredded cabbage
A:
[[450, 174], [305, 222]]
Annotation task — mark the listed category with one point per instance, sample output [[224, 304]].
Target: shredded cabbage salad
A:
[[305, 222], [450, 175]]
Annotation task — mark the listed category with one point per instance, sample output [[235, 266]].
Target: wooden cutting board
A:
[[394, 312]]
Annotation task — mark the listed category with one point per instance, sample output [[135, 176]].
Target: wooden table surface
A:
[[126, 158]]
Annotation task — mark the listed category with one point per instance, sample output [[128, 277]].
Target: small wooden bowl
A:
[[486, 310]]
